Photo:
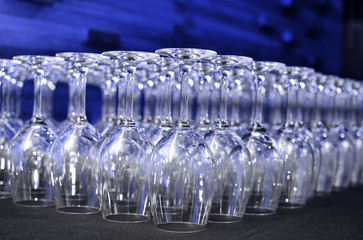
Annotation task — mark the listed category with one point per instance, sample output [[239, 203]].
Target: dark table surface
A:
[[337, 216]]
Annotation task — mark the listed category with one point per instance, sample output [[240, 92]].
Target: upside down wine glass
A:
[[299, 157], [181, 173], [7, 132], [74, 154], [267, 161], [345, 162], [29, 172], [328, 147], [233, 159], [124, 153], [354, 129]]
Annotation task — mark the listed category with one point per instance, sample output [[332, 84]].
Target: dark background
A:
[[324, 34]]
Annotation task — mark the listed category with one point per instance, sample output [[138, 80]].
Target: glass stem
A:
[[235, 106], [316, 117], [8, 98], [38, 87], [223, 99], [184, 112], [72, 98], [335, 109], [121, 98], [5, 97], [298, 107], [81, 92], [291, 105], [17, 101], [129, 96], [2, 94], [159, 103], [203, 100], [257, 110], [166, 119]]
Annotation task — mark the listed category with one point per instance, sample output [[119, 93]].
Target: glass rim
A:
[[118, 55], [43, 58], [80, 56], [299, 69], [239, 60], [265, 66], [171, 52]]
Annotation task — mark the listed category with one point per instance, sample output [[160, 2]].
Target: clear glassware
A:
[[204, 72], [169, 67], [74, 153], [103, 75], [337, 128], [359, 119], [233, 159], [181, 172], [267, 161], [124, 154], [352, 89], [29, 171], [7, 132], [299, 156], [356, 131], [320, 117], [304, 112]]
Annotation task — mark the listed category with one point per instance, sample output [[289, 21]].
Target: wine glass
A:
[[7, 132], [318, 125], [181, 174], [354, 128], [338, 130], [304, 110], [233, 159], [124, 154], [74, 153], [299, 158], [29, 171], [267, 161], [169, 67]]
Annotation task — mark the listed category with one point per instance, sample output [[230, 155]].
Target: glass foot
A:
[[291, 205], [78, 210], [180, 227], [259, 211], [4, 195], [223, 218], [127, 218], [34, 203]]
